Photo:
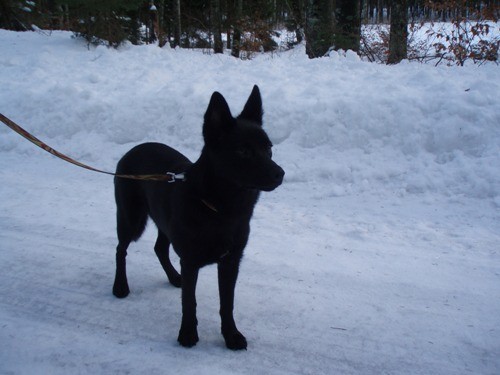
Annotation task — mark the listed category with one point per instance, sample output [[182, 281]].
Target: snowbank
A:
[[379, 254], [363, 127]]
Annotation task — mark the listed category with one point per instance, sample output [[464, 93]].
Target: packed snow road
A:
[[378, 255]]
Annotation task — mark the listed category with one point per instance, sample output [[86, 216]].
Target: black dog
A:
[[206, 217]]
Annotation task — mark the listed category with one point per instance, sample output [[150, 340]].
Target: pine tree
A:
[[319, 31], [297, 23], [216, 22], [347, 25], [102, 21], [16, 15], [398, 38], [238, 10], [177, 23]]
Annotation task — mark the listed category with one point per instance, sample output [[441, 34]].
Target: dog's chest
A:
[[212, 239]]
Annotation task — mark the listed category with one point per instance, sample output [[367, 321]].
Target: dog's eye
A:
[[244, 152]]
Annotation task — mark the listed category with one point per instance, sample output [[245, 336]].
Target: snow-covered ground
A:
[[380, 254]]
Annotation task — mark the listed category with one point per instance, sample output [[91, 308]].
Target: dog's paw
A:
[[175, 280], [121, 291], [188, 337], [235, 341]]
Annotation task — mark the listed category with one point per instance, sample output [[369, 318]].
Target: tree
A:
[[176, 21], [162, 34], [216, 22], [297, 22], [238, 10], [17, 15], [347, 25], [398, 38], [319, 30], [152, 23], [102, 21]]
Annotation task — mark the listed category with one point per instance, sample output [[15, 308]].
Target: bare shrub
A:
[[466, 37]]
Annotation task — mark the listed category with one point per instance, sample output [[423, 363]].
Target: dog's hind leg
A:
[[162, 252], [120, 286], [131, 219]]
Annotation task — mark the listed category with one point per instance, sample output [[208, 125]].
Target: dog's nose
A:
[[278, 175]]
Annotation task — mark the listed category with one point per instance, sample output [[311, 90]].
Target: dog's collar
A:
[[176, 177], [209, 205]]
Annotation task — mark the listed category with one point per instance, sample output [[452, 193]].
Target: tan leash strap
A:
[[170, 177]]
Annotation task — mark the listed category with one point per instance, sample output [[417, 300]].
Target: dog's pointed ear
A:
[[217, 118], [218, 111], [253, 108]]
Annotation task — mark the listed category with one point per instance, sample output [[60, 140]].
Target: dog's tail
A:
[[132, 211]]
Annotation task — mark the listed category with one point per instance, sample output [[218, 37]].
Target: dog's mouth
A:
[[275, 181], [269, 188]]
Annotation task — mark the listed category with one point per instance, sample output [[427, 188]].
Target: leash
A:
[[169, 176]]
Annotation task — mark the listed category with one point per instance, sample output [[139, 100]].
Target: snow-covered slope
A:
[[379, 254]]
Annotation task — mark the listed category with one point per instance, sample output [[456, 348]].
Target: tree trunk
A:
[[153, 24], [177, 23], [398, 38], [162, 37], [298, 23], [238, 10], [348, 25], [319, 31], [217, 27]]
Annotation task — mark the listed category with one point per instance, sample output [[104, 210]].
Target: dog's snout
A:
[[273, 178], [278, 175]]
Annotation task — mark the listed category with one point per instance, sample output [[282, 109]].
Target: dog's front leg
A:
[[228, 273], [188, 334]]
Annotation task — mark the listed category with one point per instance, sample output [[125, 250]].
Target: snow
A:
[[378, 255]]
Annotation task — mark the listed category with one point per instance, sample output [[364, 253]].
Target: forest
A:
[[379, 254], [378, 30]]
